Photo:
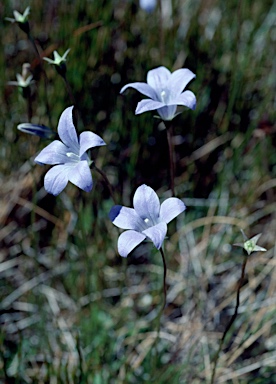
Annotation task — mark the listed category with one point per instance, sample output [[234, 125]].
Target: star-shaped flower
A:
[[148, 219], [18, 17], [57, 58], [165, 90], [59, 62], [250, 245], [69, 156], [22, 81], [21, 19]]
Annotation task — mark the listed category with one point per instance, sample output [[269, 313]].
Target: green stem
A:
[[230, 322]]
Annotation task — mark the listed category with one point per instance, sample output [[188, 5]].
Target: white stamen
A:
[[73, 156], [163, 95], [146, 220]]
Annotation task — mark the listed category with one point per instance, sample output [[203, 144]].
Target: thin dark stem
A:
[[233, 318], [30, 37], [69, 91], [164, 278], [158, 318], [29, 106], [106, 181], [72, 98], [171, 155]]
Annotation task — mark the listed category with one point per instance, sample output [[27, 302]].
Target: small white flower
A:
[[58, 60], [18, 17], [23, 80], [250, 245]]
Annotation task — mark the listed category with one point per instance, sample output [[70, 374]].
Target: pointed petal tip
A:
[[114, 212]]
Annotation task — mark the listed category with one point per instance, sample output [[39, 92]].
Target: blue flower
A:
[[69, 157], [36, 130], [148, 219], [165, 90], [147, 5]]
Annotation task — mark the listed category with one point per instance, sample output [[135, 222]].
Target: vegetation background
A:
[[72, 310]]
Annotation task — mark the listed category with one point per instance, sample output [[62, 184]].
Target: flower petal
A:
[[54, 153], [170, 208], [157, 234], [157, 78], [146, 204], [143, 88], [56, 179], [178, 81], [148, 105], [80, 175], [89, 140], [126, 218], [186, 98], [67, 131], [128, 241], [167, 113]]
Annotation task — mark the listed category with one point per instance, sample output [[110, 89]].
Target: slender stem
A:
[[30, 37], [29, 105], [164, 278], [164, 291], [158, 318], [106, 181], [71, 96], [171, 155], [231, 320], [69, 90]]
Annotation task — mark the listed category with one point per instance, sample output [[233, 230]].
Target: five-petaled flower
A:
[[250, 245], [69, 156], [148, 219], [165, 90]]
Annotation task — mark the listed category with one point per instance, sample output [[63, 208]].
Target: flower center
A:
[[73, 156]]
